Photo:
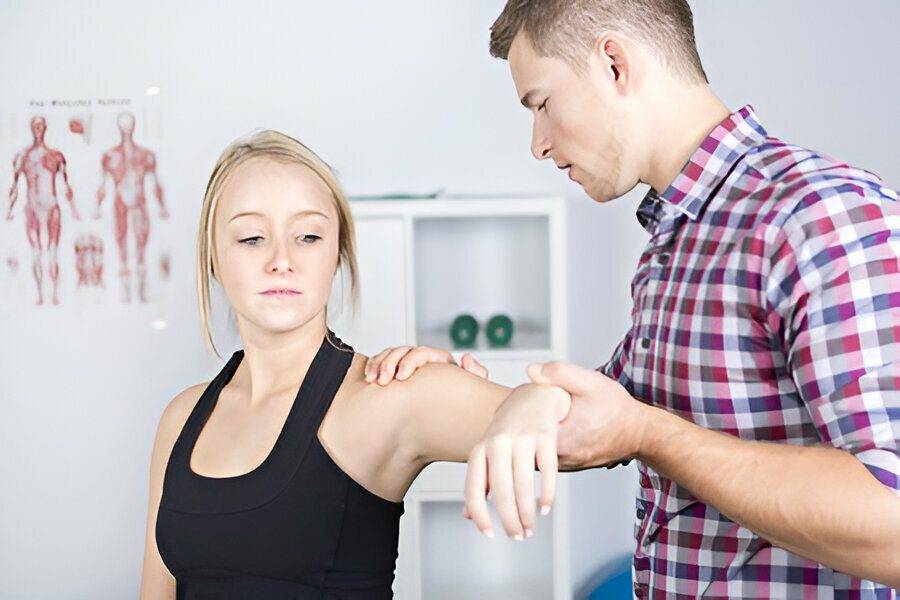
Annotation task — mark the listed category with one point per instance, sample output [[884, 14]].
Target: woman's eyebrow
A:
[[302, 213]]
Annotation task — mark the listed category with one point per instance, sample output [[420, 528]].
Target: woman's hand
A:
[[403, 361], [522, 435]]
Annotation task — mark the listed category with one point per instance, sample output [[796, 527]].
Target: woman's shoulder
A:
[[179, 409]]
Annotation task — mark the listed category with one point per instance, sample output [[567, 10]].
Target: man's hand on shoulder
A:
[[402, 361]]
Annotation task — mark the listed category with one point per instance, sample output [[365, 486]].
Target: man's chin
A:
[[601, 196]]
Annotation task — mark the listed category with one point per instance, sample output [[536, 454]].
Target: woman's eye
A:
[[543, 105], [310, 238], [248, 241]]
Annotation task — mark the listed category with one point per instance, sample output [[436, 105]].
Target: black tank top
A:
[[295, 527]]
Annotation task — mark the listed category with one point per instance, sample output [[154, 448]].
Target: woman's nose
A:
[[281, 258]]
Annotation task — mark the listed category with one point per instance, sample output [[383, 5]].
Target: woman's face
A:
[[276, 244]]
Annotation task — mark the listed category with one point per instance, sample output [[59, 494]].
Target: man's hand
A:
[[522, 435], [605, 422], [402, 361]]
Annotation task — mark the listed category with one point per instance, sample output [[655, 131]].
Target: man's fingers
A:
[[402, 361], [500, 479], [572, 378], [547, 464], [422, 355], [388, 366], [373, 363], [476, 491], [471, 364], [523, 476]]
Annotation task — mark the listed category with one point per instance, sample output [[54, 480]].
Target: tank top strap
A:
[[208, 398], [334, 359]]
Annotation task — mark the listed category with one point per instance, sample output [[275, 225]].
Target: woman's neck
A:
[[276, 362]]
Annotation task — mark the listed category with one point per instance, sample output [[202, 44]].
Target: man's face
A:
[[580, 121]]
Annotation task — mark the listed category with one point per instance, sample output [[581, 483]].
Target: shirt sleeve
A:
[[833, 290], [614, 368]]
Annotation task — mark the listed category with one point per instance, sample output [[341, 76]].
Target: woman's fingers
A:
[[507, 469], [523, 480], [500, 479], [547, 464], [476, 491]]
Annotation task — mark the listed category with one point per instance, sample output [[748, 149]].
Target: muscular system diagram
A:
[[129, 166], [41, 167]]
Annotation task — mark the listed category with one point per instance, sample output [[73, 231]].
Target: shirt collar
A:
[[710, 163]]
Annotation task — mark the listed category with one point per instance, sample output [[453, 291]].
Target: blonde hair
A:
[[277, 146]]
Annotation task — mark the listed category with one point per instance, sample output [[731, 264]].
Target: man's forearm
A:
[[818, 502]]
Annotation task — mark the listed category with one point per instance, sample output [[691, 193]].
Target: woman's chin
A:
[[284, 322]]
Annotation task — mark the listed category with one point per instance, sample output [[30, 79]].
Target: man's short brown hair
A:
[[569, 28]]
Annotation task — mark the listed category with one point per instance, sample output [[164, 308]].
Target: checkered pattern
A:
[[767, 307]]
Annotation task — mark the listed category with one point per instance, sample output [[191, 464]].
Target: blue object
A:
[[616, 587]]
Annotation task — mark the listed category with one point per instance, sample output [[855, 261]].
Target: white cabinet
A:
[[380, 317], [421, 263]]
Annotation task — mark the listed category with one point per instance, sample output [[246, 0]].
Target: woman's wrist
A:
[[544, 397]]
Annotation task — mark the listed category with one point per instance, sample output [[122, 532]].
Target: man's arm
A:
[[818, 502], [831, 290]]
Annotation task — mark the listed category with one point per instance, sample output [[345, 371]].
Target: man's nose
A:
[[540, 147]]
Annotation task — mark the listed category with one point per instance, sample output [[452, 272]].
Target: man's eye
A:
[[248, 241], [309, 238]]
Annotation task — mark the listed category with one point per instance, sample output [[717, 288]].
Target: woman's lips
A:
[[281, 292]]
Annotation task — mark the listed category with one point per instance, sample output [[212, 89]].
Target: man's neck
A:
[[684, 119]]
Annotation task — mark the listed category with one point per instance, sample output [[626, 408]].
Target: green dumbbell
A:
[[499, 331], [463, 331]]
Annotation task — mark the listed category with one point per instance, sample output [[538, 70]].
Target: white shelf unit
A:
[[421, 263]]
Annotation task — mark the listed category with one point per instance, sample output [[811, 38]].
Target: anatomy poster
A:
[[85, 212]]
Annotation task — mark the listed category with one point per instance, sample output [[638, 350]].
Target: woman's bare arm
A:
[[445, 413], [156, 581]]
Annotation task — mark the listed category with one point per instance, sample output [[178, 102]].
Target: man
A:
[[759, 384], [41, 165]]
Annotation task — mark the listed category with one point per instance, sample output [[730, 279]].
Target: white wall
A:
[[403, 98]]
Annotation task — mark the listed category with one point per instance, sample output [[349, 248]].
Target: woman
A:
[[314, 513]]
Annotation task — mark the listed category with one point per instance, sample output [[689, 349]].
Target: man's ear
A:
[[616, 60]]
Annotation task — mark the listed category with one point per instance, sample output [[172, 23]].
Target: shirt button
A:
[[641, 513], [663, 258], [645, 343]]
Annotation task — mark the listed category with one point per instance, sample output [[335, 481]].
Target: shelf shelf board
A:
[[527, 344]]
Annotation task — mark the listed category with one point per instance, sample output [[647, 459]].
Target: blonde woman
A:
[[284, 476]]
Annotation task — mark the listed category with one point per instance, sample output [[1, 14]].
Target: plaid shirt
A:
[[767, 307]]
